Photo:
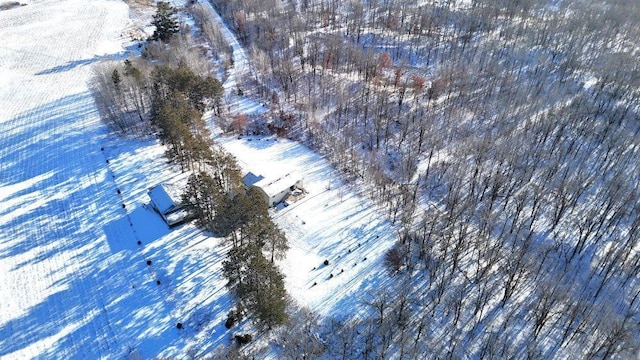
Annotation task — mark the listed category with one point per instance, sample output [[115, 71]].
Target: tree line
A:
[[166, 92], [220, 204]]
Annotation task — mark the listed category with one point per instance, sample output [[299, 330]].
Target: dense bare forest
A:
[[503, 139]]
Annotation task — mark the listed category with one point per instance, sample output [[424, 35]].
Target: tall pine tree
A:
[[257, 283], [203, 198], [165, 22]]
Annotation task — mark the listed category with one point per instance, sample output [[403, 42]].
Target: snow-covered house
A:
[[274, 190], [166, 200]]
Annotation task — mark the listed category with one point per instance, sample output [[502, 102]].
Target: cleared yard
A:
[[329, 223]]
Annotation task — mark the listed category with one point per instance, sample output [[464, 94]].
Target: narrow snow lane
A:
[[240, 67], [237, 73]]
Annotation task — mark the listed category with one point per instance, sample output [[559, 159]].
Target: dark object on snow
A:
[[364, 259], [330, 275], [229, 323], [179, 325], [102, 149], [243, 339], [315, 283], [107, 161], [139, 242], [158, 282], [118, 191], [326, 262], [124, 206], [233, 317], [149, 262]]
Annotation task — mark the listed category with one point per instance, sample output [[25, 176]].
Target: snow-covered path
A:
[[241, 69]]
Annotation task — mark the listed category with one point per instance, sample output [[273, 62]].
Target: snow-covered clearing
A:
[[75, 281], [330, 223]]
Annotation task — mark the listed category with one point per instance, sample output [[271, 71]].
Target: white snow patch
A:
[[590, 81]]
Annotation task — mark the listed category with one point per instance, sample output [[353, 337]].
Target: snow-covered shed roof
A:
[[165, 197], [273, 187]]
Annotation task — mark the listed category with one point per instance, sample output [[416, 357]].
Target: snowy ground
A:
[[74, 281], [240, 70], [330, 223]]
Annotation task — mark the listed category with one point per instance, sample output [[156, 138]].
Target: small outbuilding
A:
[[166, 200], [274, 190]]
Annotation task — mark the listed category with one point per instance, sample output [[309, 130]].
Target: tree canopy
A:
[[179, 99], [165, 22]]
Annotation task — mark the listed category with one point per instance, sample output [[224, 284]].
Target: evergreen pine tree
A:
[[165, 22], [115, 77], [202, 198], [270, 302], [258, 284]]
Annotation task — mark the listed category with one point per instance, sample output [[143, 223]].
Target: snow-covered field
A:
[[75, 282]]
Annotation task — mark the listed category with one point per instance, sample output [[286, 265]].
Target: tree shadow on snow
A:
[[53, 174], [90, 316], [142, 224], [70, 65], [84, 289]]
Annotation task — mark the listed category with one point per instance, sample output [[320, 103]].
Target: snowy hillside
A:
[[483, 153], [502, 139], [329, 223]]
